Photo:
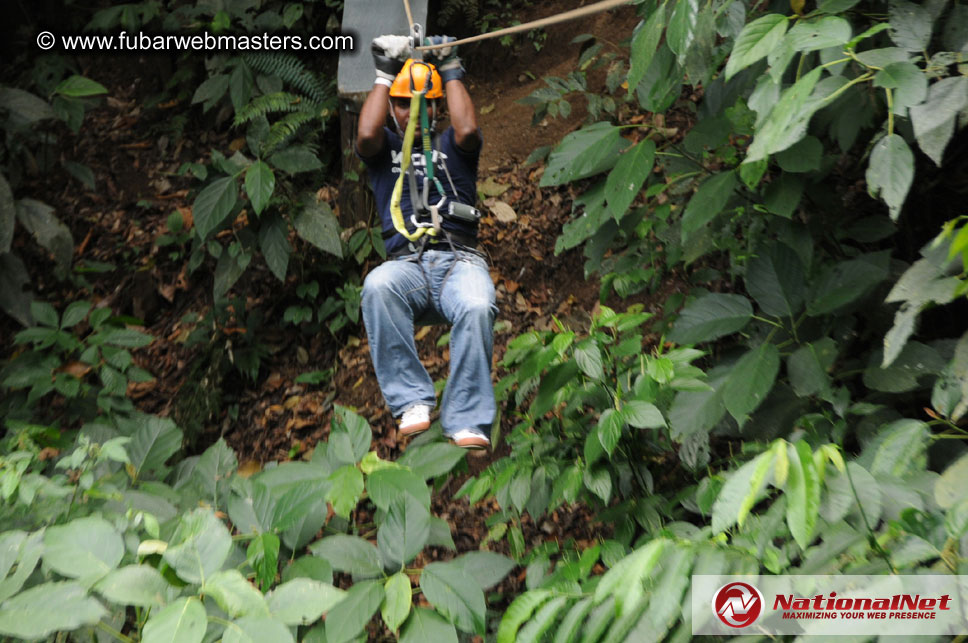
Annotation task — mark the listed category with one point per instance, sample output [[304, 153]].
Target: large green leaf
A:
[[711, 317], [257, 630], [591, 215], [642, 415], [589, 151], [910, 25], [845, 282], [625, 580], [86, 548], [231, 265], [708, 201], [644, 44], [8, 213], [14, 300], [485, 567], [446, 587], [39, 220], [426, 625], [184, 621], [520, 611], [235, 595], [79, 87], [200, 545], [787, 121], [139, 585], [398, 598], [891, 172], [48, 608], [432, 460], [213, 470], [262, 554], [346, 489], [588, 356], [626, 178], [662, 83], [213, 204], [840, 497], [317, 224], [682, 25], [275, 245], [296, 159], [609, 429], [915, 361], [908, 84], [385, 485], [755, 42], [348, 618], [22, 549], [829, 31], [750, 380], [902, 444], [350, 554], [807, 367], [952, 487], [741, 492], [404, 531], [934, 120], [776, 279], [303, 600], [802, 493], [156, 440]]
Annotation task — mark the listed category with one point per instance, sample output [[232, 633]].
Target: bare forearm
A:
[[369, 131], [463, 116]]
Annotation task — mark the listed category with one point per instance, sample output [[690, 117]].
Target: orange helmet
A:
[[417, 71]]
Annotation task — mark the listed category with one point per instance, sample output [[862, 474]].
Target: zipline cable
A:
[[581, 12]]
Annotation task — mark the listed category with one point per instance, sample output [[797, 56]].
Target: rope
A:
[[598, 7], [406, 7]]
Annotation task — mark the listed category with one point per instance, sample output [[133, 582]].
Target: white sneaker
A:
[[470, 439], [415, 419]]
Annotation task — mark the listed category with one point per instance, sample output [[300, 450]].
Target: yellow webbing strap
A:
[[396, 214]]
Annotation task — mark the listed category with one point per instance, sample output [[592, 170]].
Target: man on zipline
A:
[[433, 273]]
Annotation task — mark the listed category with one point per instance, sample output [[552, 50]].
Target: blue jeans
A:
[[439, 287]]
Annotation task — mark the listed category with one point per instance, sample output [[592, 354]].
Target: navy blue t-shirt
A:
[[383, 169]]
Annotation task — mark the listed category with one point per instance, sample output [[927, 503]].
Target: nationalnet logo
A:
[[830, 605], [738, 604]]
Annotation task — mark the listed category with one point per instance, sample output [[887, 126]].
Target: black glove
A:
[[445, 58], [389, 54]]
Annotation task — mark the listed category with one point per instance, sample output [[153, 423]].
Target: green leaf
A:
[[644, 44], [349, 554], [235, 594], [295, 160], [212, 472], [741, 492], [156, 440], [519, 611], [910, 25], [845, 282], [750, 381], [317, 224], [397, 601], [682, 26], [950, 488], [710, 317], [24, 550], [432, 460], [385, 485], [259, 185], [79, 87], [599, 481], [213, 205], [8, 213], [589, 359], [139, 585], [485, 567], [44, 314], [359, 431], [708, 201], [609, 429], [934, 120], [829, 31], [425, 625], [915, 361], [39, 220], [755, 42], [183, 621], [776, 279], [624, 581], [891, 172], [211, 91], [446, 587], [642, 415], [86, 548], [263, 556], [404, 531], [902, 443], [803, 156], [589, 151], [82, 173], [807, 367], [275, 246], [908, 83], [124, 338], [24, 107], [626, 178], [348, 618], [802, 493], [787, 121], [48, 608], [662, 83], [956, 29], [302, 601], [257, 630], [200, 545], [75, 313], [14, 300], [346, 490]]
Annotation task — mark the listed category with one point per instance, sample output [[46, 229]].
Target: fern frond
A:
[[270, 103], [292, 71], [286, 128]]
